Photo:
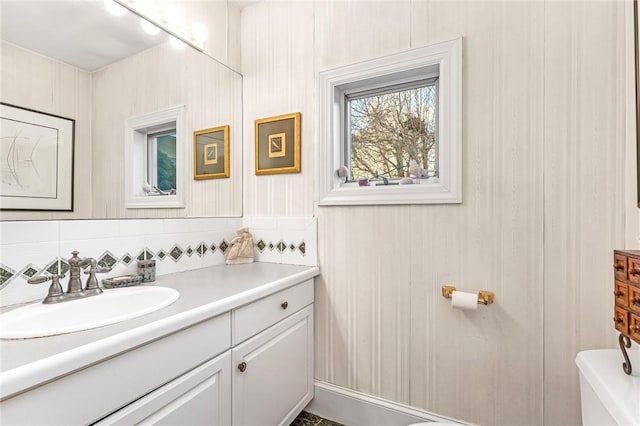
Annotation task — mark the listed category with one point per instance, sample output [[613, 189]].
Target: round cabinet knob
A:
[[284, 305], [242, 366]]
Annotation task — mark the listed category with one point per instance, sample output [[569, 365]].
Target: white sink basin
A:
[[114, 305]]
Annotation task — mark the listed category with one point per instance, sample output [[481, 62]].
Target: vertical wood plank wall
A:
[[544, 201], [584, 145], [36, 82], [159, 78]]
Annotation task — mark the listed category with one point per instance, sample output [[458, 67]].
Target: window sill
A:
[[155, 202], [423, 193]]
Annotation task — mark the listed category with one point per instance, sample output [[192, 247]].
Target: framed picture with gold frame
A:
[[277, 141], [211, 153]]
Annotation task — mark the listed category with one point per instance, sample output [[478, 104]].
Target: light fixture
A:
[[171, 14], [148, 27], [199, 31], [114, 8], [176, 43], [163, 15]]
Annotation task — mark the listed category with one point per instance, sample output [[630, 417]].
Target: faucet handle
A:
[[93, 287], [44, 278], [39, 280], [94, 268], [55, 289]]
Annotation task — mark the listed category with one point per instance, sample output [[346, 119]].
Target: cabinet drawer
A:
[[250, 319], [621, 293], [634, 299], [621, 320], [633, 271], [620, 266], [634, 327]]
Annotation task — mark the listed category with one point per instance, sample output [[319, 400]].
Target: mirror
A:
[[80, 33], [78, 61]]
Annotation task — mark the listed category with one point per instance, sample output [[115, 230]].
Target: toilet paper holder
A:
[[484, 297]]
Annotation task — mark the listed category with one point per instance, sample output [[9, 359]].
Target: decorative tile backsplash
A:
[[284, 239], [28, 249]]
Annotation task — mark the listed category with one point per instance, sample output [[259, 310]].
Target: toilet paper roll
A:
[[465, 301]]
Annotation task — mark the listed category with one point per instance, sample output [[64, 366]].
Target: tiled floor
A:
[[308, 419]]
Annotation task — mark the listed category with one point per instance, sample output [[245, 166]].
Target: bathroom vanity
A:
[[235, 348]]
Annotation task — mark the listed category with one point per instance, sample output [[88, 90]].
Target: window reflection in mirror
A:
[[153, 154], [161, 157]]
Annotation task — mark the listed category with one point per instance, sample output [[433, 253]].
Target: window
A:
[[153, 156], [391, 118], [392, 132]]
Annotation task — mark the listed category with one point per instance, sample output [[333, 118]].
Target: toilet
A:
[[608, 395]]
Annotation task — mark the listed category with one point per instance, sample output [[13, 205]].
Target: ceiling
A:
[[80, 33]]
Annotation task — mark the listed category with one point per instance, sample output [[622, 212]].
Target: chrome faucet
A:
[[74, 289]]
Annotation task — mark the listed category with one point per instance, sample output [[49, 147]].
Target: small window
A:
[[153, 154], [392, 132], [395, 123]]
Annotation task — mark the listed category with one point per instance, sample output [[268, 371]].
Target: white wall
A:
[[545, 190], [632, 216]]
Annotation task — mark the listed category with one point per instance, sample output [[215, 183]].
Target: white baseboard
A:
[[353, 408]]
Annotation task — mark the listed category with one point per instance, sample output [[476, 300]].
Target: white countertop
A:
[[204, 293]]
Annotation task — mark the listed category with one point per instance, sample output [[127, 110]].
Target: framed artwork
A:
[[36, 163], [211, 153], [277, 142]]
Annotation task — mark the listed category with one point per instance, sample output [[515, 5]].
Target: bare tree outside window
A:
[[388, 130]]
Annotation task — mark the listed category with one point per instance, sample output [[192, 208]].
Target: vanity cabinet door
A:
[[199, 397], [273, 372]]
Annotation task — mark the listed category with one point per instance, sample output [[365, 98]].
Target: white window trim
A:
[[445, 56], [136, 130]]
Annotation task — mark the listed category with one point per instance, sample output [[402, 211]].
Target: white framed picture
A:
[[36, 160]]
